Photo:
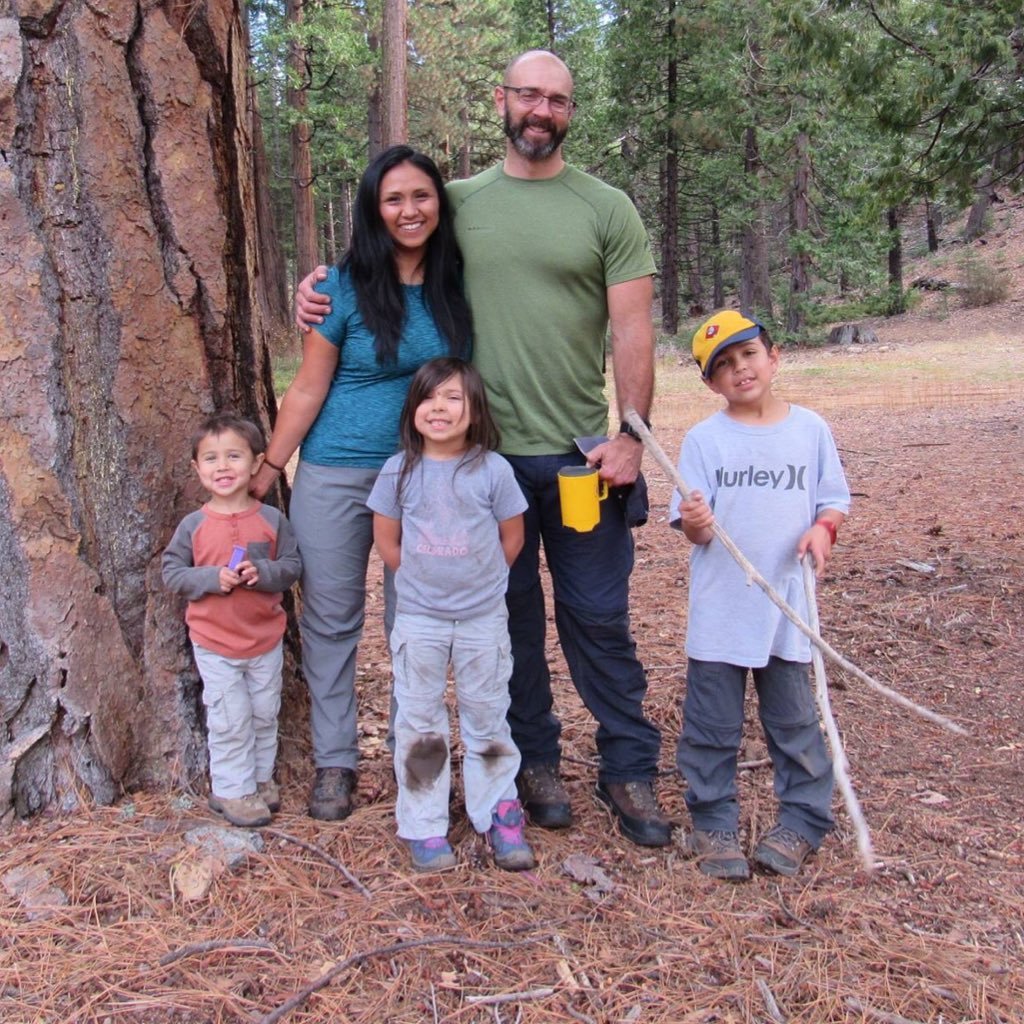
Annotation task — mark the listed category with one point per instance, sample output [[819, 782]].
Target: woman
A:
[[396, 302]]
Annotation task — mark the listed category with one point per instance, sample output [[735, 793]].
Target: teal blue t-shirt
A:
[[358, 422]]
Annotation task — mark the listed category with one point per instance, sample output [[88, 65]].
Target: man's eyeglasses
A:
[[531, 98]]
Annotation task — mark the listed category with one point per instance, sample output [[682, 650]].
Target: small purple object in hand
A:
[[237, 555]]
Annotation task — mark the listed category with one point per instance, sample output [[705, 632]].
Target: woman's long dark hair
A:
[[370, 260], [482, 435]]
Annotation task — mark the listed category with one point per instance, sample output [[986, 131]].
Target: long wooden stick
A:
[[840, 765], [753, 576]]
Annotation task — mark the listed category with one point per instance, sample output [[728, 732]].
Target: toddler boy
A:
[[232, 559]]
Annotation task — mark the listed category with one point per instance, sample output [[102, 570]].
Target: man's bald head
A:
[[537, 57]]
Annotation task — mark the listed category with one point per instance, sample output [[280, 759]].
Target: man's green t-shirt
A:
[[539, 256]]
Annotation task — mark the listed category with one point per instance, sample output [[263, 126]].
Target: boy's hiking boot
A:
[[331, 799], [245, 811], [641, 820], [270, 794], [433, 854], [782, 850], [718, 854], [511, 850], [543, 796]]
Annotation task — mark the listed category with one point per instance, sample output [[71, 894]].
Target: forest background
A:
[[774, 148]]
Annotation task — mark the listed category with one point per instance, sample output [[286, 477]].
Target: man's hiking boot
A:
[[718, 854], [331, 799], [782, 850], [543, 796], [641, 820], [245, 811], [511, 850]]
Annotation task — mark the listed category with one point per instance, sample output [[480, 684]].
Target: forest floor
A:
[[114, 914]]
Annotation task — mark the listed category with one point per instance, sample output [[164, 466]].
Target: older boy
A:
[[769, 473]]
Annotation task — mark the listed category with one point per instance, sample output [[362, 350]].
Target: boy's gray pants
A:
[[710, 741], [242, 698]]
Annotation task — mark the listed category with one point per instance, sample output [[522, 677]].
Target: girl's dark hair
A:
[[482, 435], [370, 260], [214, 426]]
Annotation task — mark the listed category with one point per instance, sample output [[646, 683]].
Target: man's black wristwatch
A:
[[626, 428]]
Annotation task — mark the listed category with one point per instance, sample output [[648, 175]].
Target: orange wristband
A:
[[829, 526]]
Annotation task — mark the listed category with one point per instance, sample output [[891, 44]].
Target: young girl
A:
[[448, 521]]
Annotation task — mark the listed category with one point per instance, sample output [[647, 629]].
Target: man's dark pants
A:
[[590, 577]]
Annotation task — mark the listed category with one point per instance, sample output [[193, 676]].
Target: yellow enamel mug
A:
[[581, 492]]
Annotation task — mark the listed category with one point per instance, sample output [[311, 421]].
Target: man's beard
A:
[[534, 150]]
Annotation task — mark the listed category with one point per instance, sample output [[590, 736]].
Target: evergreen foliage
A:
[[889, 103]]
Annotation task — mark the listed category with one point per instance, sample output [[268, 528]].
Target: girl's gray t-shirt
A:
[[452, 562]]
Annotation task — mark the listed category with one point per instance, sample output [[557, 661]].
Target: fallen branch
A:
[[198, 948], [357, 958], [579, 1015], [769, 1002], [324, 856], [881, 1016], [840, 765], [510, 997], [760, 762], [754, 576]]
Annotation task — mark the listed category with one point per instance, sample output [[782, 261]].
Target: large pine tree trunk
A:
[[975, 227], [273, 280], [128, 311]]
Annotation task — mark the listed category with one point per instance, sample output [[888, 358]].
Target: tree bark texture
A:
[[273, 281], [799, 223], [755, 279], [670, 193], [670, 244], [975, 227], [307, 248], [128, 312], [395, 93], [895, 262]]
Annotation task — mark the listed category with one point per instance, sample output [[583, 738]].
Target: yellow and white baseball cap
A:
[[719, 332]]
